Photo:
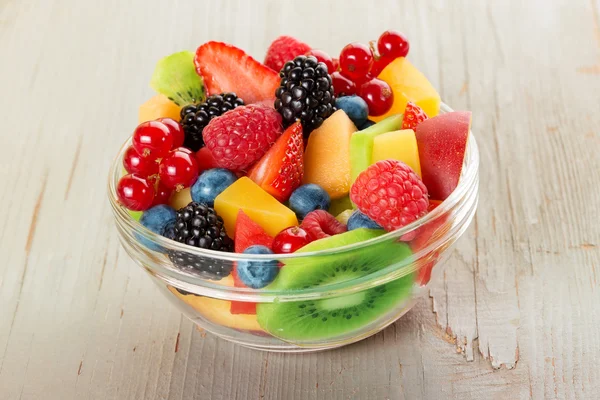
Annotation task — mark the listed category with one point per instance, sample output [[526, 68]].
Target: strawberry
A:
[[280, 170], [284, 48], [226, 68], [413, 116]]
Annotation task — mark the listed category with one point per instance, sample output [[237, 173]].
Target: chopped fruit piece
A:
[[205, 160], [391, 194], [242, 307], [344, 216], [361, 143], [195, 117], [392, 44], [339, 205], [242, 136], [218, 311], [327, 155], [290, 239], [408, 84], [280, 170], [249, 233], [378, 95], [135, 192], [176, 78], [259, 205], [319, 224], [308, 198], [342, 86], [323, 57], [413, 116], [210, 184], [356, 60], [397, 145], [175, 129], [181, 199], [225, 68], [283, 49], [257, 274], [442, 145], [305, 93], [156, 107], [178, 169], [152, 139]]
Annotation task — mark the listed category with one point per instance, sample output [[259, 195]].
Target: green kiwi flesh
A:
[[175, 77], [329, 318]]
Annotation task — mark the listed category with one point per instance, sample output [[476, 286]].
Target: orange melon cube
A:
[[397, 145], [156, 107], [327, 155], [408, 84], [259, 205]]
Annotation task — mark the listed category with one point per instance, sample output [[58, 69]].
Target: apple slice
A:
[[442, 143]]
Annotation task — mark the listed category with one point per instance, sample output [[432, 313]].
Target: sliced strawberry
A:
[[226, 68], [280, 170], [205, 160], [247, 233], [413, 116]]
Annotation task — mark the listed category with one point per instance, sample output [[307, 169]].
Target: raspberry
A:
[[413, 116], [283, 49], [319, 224], [240, 137], [391, 194]]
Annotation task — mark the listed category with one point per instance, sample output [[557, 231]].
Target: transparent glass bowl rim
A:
[[467, 181]]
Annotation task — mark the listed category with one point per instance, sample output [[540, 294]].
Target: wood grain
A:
[[513, 315]]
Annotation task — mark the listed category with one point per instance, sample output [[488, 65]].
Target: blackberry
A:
[[305, 93], [199, 225], [195, 117]]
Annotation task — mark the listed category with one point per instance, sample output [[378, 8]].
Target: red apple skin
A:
[[442, 142]]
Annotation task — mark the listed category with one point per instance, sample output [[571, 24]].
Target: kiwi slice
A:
[[315, 320], [175, 77]]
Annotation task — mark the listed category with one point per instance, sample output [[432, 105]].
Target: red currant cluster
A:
[[157, 165], [359, 66]]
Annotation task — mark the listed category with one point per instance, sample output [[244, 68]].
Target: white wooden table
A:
[[516, 313]]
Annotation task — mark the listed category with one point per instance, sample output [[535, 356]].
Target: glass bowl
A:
[[321, 299]]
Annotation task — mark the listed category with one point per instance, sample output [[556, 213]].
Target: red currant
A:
[[379, 65], [176, 131], [135, 192], [378, 95], [392, 44], [336, 64], [136, 164], [289, 240], [179, 169], [356, 60], [342, 85], [162, 194], [323, 57], [152, 139]]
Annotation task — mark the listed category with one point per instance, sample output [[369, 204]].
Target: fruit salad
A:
[[302, 153]]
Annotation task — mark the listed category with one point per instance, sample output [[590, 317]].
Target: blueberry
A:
[[359, 220], [355, 107], [210, 184], [367, 124], [257, 274], [308, 198], [158, 219]]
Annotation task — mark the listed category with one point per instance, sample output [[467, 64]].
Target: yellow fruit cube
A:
[[408, 84], [259, 205], [156, 107], [397, 145]]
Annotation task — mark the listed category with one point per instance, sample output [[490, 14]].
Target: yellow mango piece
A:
[[408, 84], [259, 205], [327, 155], [397, 145], [158, 106]]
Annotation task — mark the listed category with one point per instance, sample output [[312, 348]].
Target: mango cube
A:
[[398, 145], [259, 205], [408, 84]]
